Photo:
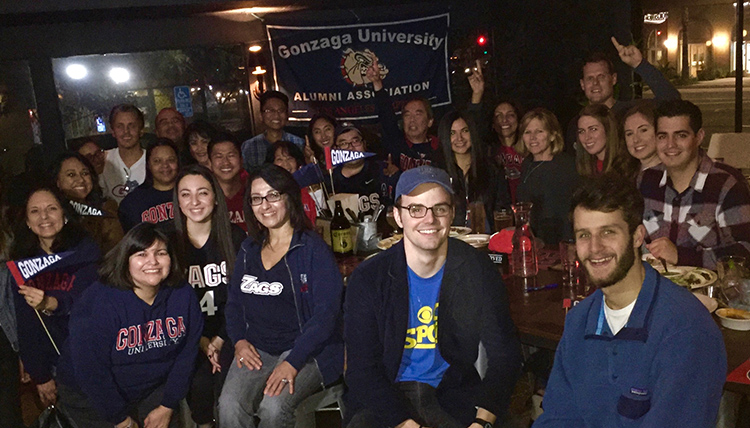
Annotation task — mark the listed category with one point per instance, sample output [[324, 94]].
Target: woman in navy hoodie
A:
[[283, 311], [50, 227], [133, 338]]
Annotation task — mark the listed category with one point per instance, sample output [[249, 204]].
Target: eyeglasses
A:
[[355, 142], [419, 211], [256, 200]]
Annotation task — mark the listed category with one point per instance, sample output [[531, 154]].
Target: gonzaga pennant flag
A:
[[25, 269], [336, 157], [86, 210]]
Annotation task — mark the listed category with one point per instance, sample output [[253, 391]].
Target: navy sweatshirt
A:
[[145, 204], [121, 349], [65, 280]]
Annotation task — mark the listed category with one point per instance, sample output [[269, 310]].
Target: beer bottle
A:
[[341, 233]]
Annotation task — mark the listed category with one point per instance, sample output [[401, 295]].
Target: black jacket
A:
[[473, 309]]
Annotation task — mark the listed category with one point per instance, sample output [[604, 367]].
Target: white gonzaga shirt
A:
[[118, 180]]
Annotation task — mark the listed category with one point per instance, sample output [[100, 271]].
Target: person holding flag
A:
[[53, 261], [76, 178], [355, 171]]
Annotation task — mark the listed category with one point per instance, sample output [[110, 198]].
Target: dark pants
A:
[[206, 386], [81, 412], [10, 404], [424, 408]]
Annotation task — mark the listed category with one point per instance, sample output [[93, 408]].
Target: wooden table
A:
[[540, 318]]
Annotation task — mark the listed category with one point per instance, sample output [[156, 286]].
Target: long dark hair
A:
[[478, 174], [221, 229], [26, 243], [315, 148], [115, 269], [282, 181], [204, 130], [617, 160], [95, 198]]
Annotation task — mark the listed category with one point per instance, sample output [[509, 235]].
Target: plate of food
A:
[[690, 276], [735, 319], [387, 243], [476, 240], [459, 230], [656, 263]]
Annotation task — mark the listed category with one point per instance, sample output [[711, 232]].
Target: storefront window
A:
[[202, 83], [19, 125]]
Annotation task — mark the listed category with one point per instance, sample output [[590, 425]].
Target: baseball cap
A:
[[412, 178], [343, 128]]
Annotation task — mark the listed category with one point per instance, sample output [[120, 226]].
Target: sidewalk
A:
[[727, 82]]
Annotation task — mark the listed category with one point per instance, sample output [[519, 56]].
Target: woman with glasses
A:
[[152, 201], [77, 180], [91, 151], [283, 309], [480, 188]]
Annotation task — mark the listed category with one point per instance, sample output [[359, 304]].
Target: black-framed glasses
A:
[[256, 200], [355, 142], [419, 211]]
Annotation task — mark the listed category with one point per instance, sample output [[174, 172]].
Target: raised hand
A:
[[390, 168], [373, 73], [630, 55], [476, 81], [309, 154]]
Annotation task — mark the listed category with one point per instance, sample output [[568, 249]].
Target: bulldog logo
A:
[[354, 65]]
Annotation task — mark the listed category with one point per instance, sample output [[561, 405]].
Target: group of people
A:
[[191, 269]]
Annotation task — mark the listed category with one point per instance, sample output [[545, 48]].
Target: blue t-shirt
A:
[[272, 324], [421, 361]]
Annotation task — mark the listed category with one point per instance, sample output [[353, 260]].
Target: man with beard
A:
[[629, 352]]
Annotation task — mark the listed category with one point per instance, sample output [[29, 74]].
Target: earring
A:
[[66, 221]]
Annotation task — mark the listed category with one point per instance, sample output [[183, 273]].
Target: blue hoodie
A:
[[317, 292], [121, 348], [65, 280]]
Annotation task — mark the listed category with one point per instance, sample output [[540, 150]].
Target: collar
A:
[[637, 326], [434, 142], [699, 178]]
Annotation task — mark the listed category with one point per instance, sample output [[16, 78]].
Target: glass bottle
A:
[[523, 258], [341, 233]]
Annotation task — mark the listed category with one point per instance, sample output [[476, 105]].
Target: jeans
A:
[[242, 397], [424, 408]]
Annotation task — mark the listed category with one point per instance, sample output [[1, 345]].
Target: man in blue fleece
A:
[[640, 351], [402, 370]]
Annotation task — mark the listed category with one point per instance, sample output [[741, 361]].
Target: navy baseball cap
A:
[[412, 178], [343, 128]]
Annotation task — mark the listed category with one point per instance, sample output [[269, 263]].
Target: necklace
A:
[[532, 171]]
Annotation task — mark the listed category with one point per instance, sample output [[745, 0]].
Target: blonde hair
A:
[[551, 124]]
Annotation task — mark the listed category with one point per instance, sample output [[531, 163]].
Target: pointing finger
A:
[[617, 45], [478, 68]]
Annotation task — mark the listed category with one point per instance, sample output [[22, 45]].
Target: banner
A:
[[323, 69], [25, 269], [336, 157]]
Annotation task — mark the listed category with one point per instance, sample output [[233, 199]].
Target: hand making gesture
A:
[[630, 55]]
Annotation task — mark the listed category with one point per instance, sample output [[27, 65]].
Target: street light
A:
[[671, 43]]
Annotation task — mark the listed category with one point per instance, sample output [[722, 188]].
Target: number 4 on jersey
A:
[[207, 303]]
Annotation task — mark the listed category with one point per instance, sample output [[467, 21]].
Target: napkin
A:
[[741, 374], [502, 241]]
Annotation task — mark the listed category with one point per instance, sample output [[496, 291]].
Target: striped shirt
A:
[[708, 220]]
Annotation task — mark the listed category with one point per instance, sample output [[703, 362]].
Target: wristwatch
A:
[[483, 423]]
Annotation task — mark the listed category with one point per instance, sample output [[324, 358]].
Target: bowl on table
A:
[[735, 319]]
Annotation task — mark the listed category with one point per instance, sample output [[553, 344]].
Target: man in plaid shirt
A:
[[697, 210]]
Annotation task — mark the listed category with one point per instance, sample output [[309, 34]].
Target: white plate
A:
[[691, 277], [459, 230], [476, 240], [710, 303], [732, 322], [655, 263]]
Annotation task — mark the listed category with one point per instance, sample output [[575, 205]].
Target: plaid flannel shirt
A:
[[708, 220], [254, 150]]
